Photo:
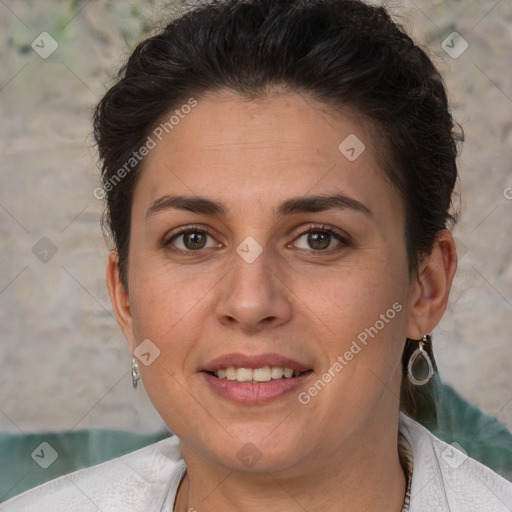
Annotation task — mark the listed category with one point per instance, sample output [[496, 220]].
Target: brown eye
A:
[[192, 240], [319, 240]]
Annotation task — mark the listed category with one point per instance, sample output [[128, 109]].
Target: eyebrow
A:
[[303, 204], [322, 203], [187, 203]]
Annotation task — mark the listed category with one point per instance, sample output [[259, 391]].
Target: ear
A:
[[431, 287], [119, 298]]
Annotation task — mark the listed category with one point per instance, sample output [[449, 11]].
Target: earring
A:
[[420, 352], [135, 373]]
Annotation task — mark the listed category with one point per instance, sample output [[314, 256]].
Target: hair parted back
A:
[[343, 53]]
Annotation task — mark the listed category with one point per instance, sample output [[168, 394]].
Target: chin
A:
[[256, 449]]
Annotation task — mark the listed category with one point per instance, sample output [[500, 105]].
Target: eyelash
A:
[[324, 229], [312, 228], [184, 231]]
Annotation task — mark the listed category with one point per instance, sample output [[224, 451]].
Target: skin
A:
[[339, 451]]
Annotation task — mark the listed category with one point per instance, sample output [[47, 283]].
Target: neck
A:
[[359, 477]]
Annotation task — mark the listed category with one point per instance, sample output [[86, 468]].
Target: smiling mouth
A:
[[256, 375]]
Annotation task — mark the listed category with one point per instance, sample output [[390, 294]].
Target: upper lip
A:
[[239, 360]]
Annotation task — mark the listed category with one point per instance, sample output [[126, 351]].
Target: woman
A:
[[278, 177]]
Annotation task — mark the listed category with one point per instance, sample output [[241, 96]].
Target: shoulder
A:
[[128, 483], [446, 479]]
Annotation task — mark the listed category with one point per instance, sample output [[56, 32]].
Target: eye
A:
[[192, 239], [319, 239]]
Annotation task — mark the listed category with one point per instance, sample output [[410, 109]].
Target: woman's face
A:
[[294, 256]]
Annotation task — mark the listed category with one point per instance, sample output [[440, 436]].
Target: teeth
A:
[[264, 374], [276, 372], [244, 374], [230, 373]]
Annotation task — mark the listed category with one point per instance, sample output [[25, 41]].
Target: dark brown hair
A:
[[343, 53]]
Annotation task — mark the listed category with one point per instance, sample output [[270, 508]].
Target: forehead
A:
[[267, 149]]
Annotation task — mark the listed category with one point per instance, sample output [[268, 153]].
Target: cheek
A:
[[349, 299], [164, 300], [361, 314], [362, 317], [168, 308]]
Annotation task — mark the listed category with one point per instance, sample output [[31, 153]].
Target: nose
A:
[[253, 296]]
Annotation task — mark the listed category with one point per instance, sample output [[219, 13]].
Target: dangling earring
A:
[[135, 373], [420, 352]]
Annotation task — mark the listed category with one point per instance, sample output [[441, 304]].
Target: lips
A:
[[238, 360], [263, 374], [254, 379]]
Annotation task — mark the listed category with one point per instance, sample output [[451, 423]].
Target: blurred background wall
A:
[[64, 362]]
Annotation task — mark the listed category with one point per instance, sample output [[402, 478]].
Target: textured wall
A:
[[64, 362]]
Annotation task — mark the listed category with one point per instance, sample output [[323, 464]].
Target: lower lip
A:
[[247, 393]]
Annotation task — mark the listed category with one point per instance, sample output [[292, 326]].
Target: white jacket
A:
[[444, 480]]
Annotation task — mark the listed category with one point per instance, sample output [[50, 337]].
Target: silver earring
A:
[[420, 352], [135, 373]]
